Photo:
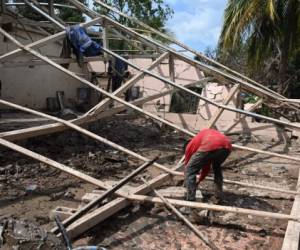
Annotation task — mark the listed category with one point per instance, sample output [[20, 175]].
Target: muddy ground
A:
[[30, 190]]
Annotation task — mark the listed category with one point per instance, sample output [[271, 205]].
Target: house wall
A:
[[30, 85]]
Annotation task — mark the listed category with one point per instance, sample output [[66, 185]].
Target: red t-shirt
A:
[[206, 140]]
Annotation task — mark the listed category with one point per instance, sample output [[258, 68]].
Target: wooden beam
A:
[[85, 209], [292, 234], [217, 208], [219, 112]]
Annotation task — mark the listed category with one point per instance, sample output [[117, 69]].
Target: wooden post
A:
[[105, 38], [51, 8], [238, 103], [171, 68], [2, 2]]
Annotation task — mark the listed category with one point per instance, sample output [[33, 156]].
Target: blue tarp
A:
[[82, 43]]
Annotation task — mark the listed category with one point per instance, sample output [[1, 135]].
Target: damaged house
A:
[[80, 123]]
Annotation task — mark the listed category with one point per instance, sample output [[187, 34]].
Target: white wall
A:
[[31, 85]]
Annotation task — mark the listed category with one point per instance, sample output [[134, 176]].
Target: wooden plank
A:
[[109, 192], [169, 192], [292, 234], [104, 212], [219, 112], [105, 38]]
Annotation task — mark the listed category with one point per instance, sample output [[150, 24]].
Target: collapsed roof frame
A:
[[170, 53]]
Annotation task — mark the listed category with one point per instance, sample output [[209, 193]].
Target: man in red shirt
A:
[[208, 148]]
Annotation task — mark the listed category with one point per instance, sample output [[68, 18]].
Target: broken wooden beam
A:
[[103, 196], [143, 198]]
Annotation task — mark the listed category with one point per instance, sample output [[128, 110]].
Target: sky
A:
[[197, 23]]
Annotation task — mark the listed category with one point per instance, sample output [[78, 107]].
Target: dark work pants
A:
[[197, 162]]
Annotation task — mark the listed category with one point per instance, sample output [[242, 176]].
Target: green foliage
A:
[[266, 28], [66, 14], [155, 13], [152, 12], [71, 15]]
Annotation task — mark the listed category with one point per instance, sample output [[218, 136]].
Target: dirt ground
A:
[[30, 190]]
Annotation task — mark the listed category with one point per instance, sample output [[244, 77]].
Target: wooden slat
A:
[[292, 234]]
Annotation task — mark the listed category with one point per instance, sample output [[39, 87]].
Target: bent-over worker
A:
[[209, 148]]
